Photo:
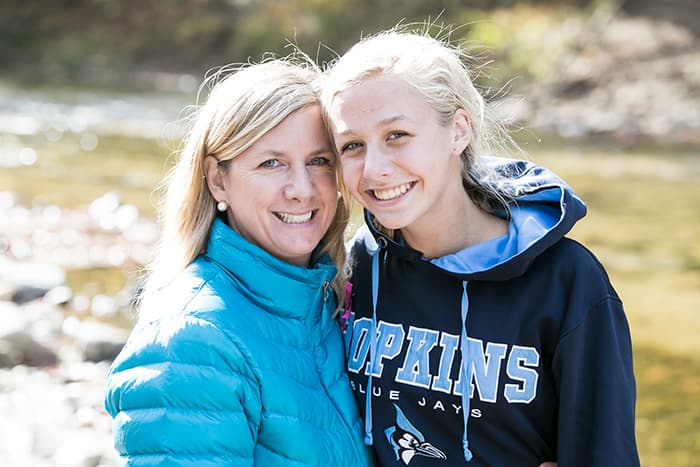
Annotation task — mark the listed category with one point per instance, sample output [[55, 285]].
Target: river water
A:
[[87, 114]]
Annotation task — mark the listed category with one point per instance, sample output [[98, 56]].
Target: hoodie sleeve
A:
[[180, 394], [593, 370]]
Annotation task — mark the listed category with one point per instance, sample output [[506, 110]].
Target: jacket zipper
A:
[[326, 285]]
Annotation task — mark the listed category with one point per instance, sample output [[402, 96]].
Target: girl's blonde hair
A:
[[438, 70], [245, 103]]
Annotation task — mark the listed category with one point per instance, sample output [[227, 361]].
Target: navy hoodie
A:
[[534, 315]]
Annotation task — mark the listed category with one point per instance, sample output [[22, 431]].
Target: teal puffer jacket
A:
[[242, 366]]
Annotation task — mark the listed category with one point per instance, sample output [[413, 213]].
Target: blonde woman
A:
[[480, 334], [237, 358]]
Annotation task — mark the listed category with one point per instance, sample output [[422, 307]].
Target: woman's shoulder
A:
[[179, 338], [177, 320], [200, 289]]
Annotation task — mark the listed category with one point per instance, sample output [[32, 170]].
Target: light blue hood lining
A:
[[530, 221]]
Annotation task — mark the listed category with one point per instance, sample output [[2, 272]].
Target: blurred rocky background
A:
[[92, 94]]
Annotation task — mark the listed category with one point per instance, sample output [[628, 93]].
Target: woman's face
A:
[[282, 191], [398, 160]]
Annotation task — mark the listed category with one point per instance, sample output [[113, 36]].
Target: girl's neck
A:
[[463, 225]]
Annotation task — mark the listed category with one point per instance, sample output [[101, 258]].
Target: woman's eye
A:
[[321, 161], [349, 147], [396, 135], [270, 164]]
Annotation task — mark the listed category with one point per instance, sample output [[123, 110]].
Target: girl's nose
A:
[[377, 163]]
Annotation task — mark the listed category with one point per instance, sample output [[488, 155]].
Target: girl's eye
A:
[[396, 135], [349, 147], [270, 164], [320, 161]]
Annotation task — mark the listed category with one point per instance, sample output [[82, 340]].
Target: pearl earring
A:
[[221, 206]]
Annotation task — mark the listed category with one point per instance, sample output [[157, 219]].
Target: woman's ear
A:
[[462, 130], [215, 178]]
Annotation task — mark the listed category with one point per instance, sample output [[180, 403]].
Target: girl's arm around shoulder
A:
[[181, 393]]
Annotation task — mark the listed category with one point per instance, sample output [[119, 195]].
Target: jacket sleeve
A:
[[593, 370], [181, 394]]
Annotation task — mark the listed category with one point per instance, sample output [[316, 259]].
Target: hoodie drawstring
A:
[[465, 366], [465, 372], [372, 347]]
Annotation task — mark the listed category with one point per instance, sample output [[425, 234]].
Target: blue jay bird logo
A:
[[408, 442]]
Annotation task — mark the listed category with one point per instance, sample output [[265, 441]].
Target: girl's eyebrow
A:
[[390, 120], [384, 122]]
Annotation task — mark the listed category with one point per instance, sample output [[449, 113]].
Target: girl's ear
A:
[[462, 130], [215, 178]]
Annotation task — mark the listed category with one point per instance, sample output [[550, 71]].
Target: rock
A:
[[19, 348], [60, 295], [29, 334], [101, 350], [12, 318], [98, 341], [30, 274], [103, 306], [27, 293]]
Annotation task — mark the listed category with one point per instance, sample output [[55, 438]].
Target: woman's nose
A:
[[300, 185]]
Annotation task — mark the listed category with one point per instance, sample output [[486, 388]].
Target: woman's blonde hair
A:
[[245, 102], [438, 70]]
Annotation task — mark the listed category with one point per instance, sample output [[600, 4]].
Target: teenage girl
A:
[[479, 333]]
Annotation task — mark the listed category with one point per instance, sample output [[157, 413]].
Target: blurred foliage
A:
[[104, 41], [119, 42]]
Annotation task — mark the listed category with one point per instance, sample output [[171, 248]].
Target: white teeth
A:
[[392, 192], [294, 218]]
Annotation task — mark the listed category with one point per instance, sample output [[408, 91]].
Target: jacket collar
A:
[[275, 285]]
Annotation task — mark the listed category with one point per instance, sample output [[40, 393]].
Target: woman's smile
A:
[[289, 218]]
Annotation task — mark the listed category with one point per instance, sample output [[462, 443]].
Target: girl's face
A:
[[398, 161], [282, 191]]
